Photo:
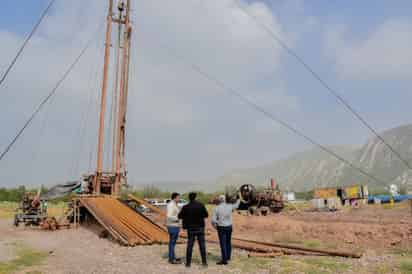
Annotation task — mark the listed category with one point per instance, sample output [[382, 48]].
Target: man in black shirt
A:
[[193, 216]]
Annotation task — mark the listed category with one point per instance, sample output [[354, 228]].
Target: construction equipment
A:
[[49, 223], [33, 207], [110, 181], [32, 210], [261, 202]]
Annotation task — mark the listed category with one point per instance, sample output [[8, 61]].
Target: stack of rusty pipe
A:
[[125, 225]]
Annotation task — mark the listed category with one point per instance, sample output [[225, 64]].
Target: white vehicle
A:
[[163, 203], [182, 203], [160, 203]]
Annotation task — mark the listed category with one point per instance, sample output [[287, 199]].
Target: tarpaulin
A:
[[60, 190]]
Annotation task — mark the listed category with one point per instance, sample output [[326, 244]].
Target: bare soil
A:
[[385, 235], [362, 228]]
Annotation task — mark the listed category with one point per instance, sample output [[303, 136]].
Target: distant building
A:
[[289, 196], [333, 198]]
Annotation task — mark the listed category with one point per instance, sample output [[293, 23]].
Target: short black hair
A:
[[174, 195], [192, 196]]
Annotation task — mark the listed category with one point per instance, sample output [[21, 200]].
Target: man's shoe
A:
[[187, 265], [204, 265], [175, 262], [179, 260], [221, 263]]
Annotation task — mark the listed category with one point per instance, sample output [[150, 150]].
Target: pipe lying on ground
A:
[[266, 248], [264, 255], [261, 247], [336, 253]]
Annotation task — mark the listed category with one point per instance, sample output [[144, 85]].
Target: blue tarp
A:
[[387, 198]]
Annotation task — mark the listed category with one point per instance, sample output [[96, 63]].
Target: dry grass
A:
[[25, 257], [8, 209], [57, 210], [312, 265], [296, 206]]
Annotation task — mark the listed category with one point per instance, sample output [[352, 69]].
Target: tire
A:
[[16, 222]]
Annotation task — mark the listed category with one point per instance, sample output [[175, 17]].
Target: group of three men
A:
[[193, 217]]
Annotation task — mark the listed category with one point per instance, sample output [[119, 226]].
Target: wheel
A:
[[16, 222]]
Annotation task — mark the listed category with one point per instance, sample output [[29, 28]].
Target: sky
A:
[[181, 126]]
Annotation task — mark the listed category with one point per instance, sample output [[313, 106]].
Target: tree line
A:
[[152, 192], [16, 194], [149, 191], [12, 194]]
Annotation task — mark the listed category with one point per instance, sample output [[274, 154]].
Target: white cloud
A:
[[164, 93], [384, 53]]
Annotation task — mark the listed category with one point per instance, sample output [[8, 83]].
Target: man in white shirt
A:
[[222, 221], [173, 226]]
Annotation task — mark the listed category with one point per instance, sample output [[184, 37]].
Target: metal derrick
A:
[[109, 181]]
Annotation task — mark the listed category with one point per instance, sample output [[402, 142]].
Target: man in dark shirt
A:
[[193, 216]]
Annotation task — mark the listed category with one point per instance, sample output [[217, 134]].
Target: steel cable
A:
[[321, 81], [20, 51], [44, 101], [269, 115]]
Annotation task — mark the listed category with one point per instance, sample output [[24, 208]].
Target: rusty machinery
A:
[[32, 210], [108, 179], [33, 206], [101, 189], [260, 202]]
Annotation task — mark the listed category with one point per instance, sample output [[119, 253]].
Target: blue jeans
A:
[[192, 234], [225, 241], [173, 235]]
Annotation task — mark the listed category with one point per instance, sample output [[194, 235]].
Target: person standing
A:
[[222, 221], [173, 226], [193, 216]]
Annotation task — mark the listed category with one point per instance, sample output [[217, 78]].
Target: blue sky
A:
[[180, 126], [18, 16]]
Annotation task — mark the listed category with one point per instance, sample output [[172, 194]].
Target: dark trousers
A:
[[173, 235], [192, 234], [225, 241]]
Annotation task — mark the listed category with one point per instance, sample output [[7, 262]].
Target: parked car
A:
[[163, 203], [182, 203]]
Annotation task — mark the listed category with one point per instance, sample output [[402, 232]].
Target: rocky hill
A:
[[309, 169]]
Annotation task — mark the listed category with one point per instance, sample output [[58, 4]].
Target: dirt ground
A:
[[375, 227], [384, 234]]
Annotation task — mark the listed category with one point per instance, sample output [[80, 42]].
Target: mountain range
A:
[[307, 170], [316, 168]]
